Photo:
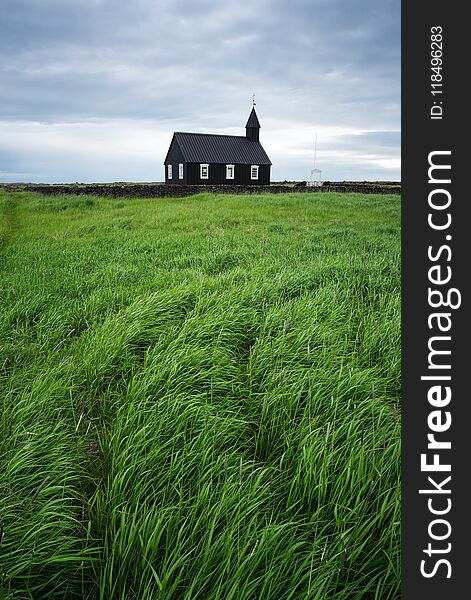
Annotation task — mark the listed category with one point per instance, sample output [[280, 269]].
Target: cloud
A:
[[82, 68]]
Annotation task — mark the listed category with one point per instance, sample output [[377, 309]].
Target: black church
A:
[[210, 159]]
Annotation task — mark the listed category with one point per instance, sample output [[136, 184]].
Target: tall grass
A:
[[200, 397]]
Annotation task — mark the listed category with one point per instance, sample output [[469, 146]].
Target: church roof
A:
[[226, 149]]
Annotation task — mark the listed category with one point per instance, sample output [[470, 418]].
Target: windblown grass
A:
[[200, 397]]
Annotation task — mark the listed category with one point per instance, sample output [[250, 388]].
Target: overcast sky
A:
[[92, 90]]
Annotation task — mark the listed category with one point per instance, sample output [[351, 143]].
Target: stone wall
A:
[[159, 190]]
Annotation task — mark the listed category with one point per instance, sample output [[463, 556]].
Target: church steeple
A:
[[252, 127]]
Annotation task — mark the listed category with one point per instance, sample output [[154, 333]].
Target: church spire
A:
[[252, 127]]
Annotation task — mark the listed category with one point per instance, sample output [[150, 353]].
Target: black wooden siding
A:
[[174, 158], [217, 175]]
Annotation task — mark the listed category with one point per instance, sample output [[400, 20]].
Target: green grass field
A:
[[200, 397]]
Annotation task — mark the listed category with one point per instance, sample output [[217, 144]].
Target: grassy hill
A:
[[200, 397]]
